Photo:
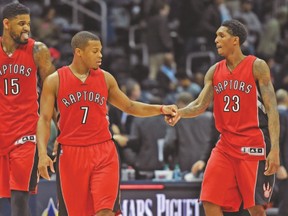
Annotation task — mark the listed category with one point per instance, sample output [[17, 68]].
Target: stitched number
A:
[[11, 86], [233, 101], [86, 110]]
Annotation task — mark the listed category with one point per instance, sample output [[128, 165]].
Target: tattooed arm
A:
[[262, 75], [43, 60], [199, 105]]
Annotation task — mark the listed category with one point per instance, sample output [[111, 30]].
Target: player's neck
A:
[[234, 60], [78, 70], [8, 45], [81, 74]]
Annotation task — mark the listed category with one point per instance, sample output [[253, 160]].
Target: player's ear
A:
[[5, 23], [77, 51], [236, 40]]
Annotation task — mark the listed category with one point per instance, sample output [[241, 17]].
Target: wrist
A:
[[42, 153], [275, 147], [161, 109]]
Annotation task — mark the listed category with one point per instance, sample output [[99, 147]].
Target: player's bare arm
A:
[[122, 102], [262, 75], [42, 58], [199, 105], [47, 101]]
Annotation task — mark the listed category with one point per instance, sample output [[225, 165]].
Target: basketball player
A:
[[246, 157], [88, 163], [20, 59]]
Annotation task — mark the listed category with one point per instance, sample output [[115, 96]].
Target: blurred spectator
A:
[[271, 34], [150, 91], [190, 17], [281, 78], [213, 16], [233, 6], [120, 122], [282, 176], [144, 151], [44, 28], [282, 47], [158, 39], [199, 78], [263, 8], [200, 165], [186, 84], [167, 74], [186, 141], [250, 19], [133, 90]]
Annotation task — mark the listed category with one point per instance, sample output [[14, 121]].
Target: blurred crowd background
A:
[[159, 52]]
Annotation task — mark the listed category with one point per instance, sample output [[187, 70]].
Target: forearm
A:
[[274, 128], [143, 110], [43, 134], [192, 110]]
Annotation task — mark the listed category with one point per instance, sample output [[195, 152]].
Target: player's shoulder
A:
[[51, 82], [108, 76], [260, 67], [106, 73], [38, 45], [211, 71], [258, 63], [52, 78], [40, 51], [109, 79]]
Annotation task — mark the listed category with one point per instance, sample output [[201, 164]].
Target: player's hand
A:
[[197, 167], [54, 152], [169, 110], [121, 139], [272, 162], [44, 162], [173, 119]]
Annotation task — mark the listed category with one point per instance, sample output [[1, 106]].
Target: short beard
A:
[[17, 39]]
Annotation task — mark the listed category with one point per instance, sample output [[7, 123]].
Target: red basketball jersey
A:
[[83, 108], [239, 112], [18, 96]]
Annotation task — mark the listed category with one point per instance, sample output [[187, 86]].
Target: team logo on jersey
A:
[[267, 190], [24, 139], [50, 210], [253, 151]]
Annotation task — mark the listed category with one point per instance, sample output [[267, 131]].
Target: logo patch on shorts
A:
[[267, 190], [24, 139], [253, 151]]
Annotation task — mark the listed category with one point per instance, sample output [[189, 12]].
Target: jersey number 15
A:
[[11, 86]]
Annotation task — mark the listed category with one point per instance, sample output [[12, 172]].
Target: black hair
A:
[[14, 9], [237, 29], [81, 39]]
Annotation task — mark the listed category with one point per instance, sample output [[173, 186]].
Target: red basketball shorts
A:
[[88, 179], [18, 170], [230, 181]]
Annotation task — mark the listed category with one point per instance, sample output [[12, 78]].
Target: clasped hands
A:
[[171, 114]]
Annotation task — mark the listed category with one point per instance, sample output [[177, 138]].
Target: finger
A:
[[55, 159], [44, 173], [267, 168], [51, 166], [55, 148], [271, 170], [266, 164], [194, 170]]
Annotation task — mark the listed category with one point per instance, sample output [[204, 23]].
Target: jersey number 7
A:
[[85, 115]]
